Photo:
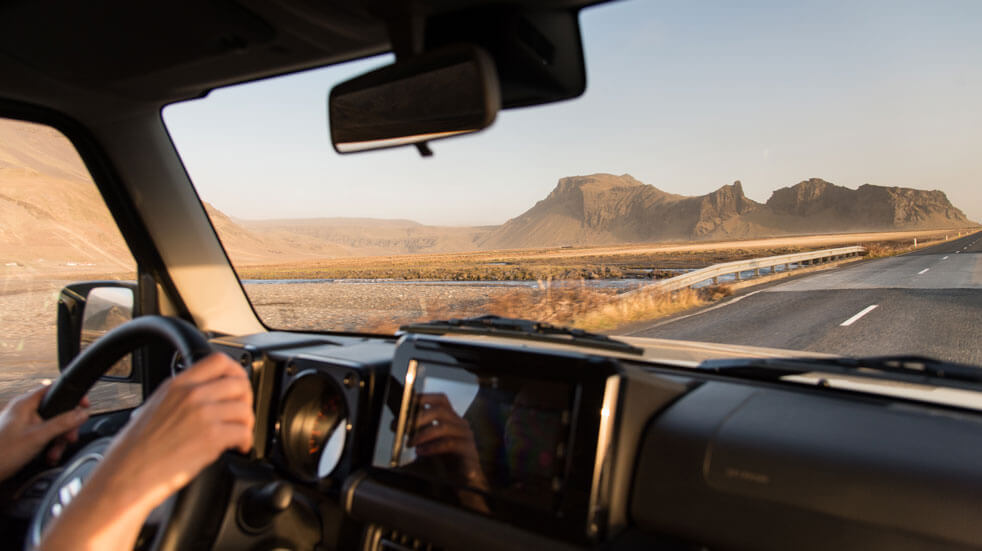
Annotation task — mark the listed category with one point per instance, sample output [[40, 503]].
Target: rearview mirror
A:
[[86, 311], [435, 95]]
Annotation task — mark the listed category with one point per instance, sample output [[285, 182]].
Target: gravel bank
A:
[[368, 306]]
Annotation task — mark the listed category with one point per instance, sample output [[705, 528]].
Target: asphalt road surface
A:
[[927, 302]]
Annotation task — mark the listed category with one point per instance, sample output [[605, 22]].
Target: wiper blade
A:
[[905, 368], [521, 328]]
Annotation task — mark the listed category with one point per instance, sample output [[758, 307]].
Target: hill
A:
[[38, 164], [372, 236], [605, 209]]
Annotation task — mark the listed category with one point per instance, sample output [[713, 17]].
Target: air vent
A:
[[380, 538]]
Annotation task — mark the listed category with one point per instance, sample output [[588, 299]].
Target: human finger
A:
[[456, 446], [30, 400], [55, 450], [434, 432], [62, 423], [210, 367], [441, 415], [228, 412], [433, 399], [221, 389], [232, 435]]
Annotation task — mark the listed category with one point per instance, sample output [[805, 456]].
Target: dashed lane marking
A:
[[861, 313], [922, 271]]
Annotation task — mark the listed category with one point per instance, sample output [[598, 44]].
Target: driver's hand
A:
[[184, 426], [23, 433], [438, 430]]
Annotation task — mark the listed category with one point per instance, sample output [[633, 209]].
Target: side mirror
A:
[[435, 95], [86, 311]]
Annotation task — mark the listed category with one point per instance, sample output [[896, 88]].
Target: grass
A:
[[881, 249], [602, 310], [578, 306], [546, 265]]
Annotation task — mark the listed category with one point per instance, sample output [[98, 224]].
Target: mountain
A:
[[38, 164], [604, 209], [246, 245], [815, 205], [373, 236]]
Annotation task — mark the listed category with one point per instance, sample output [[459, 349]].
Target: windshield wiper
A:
[[903, 368], [523, 329]]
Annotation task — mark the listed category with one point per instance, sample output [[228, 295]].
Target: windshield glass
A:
[[844, 134]]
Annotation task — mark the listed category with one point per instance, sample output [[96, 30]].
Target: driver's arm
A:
[[184, 426]]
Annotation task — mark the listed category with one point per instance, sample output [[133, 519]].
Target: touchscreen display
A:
[[501, 435]]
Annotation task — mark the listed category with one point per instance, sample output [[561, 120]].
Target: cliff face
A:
[[721, 209], [603, 208], [817, 204]]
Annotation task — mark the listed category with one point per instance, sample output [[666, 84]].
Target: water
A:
[[592, 283], [620, 284]]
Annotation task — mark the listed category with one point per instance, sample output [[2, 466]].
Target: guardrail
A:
[[747, 269]]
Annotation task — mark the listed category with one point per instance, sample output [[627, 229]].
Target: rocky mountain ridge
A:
[[604, 209]]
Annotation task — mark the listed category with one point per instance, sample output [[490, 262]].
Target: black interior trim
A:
[[441, 525]]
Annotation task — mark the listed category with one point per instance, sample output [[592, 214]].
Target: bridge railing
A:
[[748, 269]]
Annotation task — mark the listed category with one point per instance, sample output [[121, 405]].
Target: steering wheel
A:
[[182, 518]]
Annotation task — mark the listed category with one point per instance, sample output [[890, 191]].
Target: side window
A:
[[54, 230]]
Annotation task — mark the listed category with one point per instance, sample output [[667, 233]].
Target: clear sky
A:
[[683, 95]]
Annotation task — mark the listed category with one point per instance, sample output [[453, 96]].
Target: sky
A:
[[684, 95]]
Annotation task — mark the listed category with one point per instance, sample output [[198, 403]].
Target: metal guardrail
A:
[[753, 266]]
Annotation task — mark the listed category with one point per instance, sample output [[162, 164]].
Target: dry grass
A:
[[880, 249], [579, 306], [539, 265], [639, 307]]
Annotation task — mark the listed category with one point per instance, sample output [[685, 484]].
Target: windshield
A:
[[844, 134]]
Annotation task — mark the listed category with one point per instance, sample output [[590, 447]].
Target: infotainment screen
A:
[[504, 430], [501, 434]]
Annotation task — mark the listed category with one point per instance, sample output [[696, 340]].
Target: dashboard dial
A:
[[313, 426]]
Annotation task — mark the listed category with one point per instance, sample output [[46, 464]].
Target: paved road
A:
[[927, 302]]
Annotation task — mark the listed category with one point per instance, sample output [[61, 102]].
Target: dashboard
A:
[[436, 442]]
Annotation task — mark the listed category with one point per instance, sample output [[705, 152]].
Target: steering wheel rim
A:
[[83, 372]]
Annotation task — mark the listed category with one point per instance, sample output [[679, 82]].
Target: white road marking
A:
[[855, 318], [945, 258], [922, 271], [711, 308]]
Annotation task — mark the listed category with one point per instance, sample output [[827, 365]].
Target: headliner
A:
[[57, 54]]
